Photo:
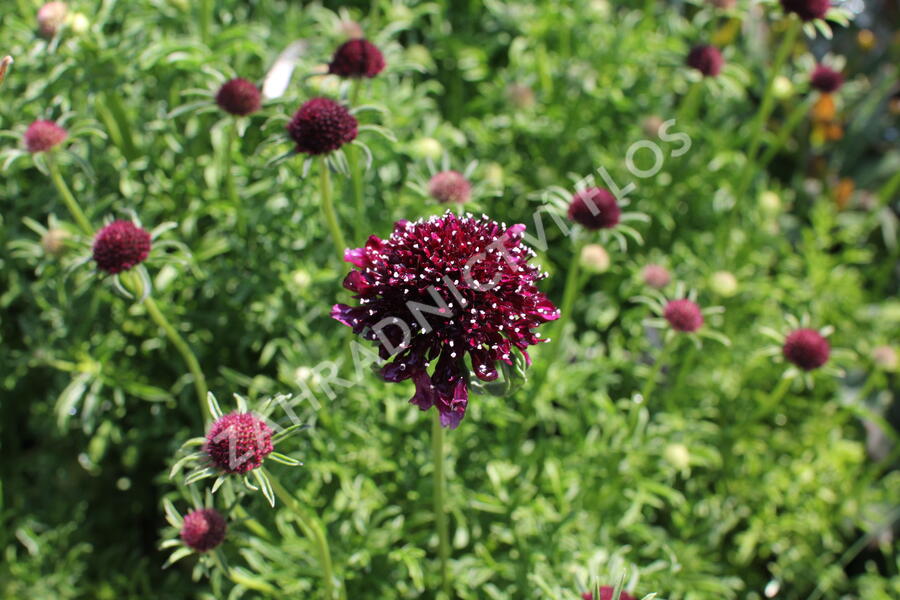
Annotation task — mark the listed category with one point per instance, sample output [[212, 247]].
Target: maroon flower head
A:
[[357, 58], [656, 276], [807, 9], [706, 59], [450, 186], [239, 97], [43, 135], [826, 79], [595, 208], [683, 315], [120, 246], [238, 442], [606, 593], [806, 348], [203, 529], [447, 289], [321, 126]]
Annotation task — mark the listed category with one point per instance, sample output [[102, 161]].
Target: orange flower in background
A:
[[866, 40], [825, 109], [843, 192]]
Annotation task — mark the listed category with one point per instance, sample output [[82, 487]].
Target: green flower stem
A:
[[440, 512], [568, 301], [691, 102], [890, 189], [758, 125], [356, 174], [231, 137], [790, 124], [134, 285], [67, 196], [206, 17], [772, 400], [186, 353], [661, 358], [328, 209], [316, 533]]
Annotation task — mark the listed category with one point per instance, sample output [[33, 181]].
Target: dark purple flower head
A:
[[606, 593], [357, 58], [43, 135], [238, 442], [595, 208], [826, 79], [656, 276], [203, 529], [807, 9], [447, 288], [239, 97], [321, 126], [450, 187], [683, 315], [806, 348], [706, 59], [120, 246]]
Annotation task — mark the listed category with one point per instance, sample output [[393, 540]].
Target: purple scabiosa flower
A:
[[806, 348], [656, 276], [120, 246], [706, 59], [472, 279], [826, 80], [43, 135], [683, 315], [807, 10], [238, 442], [450, 187], [50, 18], [203, 529], [239, 97], [357, 58], [606, 593], [322, 126], [595, 208]]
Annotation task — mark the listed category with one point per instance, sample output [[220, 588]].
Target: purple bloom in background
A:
[[238, 442], [357, 58], [321, 126], [595, 208], [807, 9], [446, 289], [806, 348], [203, 529], [706, 59], [239, 97], [826, 80], [683, 315]]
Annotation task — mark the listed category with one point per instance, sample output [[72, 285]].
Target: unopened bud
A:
[[79, 23], [782, 87], [678, 455], [769, 203], [351, 30], [50, 18], [724, 284], [4, 65], [885, 357], [595, 258], [427, 147], [54, 241]]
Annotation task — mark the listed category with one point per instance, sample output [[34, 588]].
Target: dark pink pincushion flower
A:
[[807, 9], [120, 246], [43, 135], [706, 59], [806, 348], [357, 58], [606, 593], [826, 79], [239, 97], [321, 126], [238, 442], [683, 315], [444, 289], [203, 529], [595, 208], [450, 187]]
